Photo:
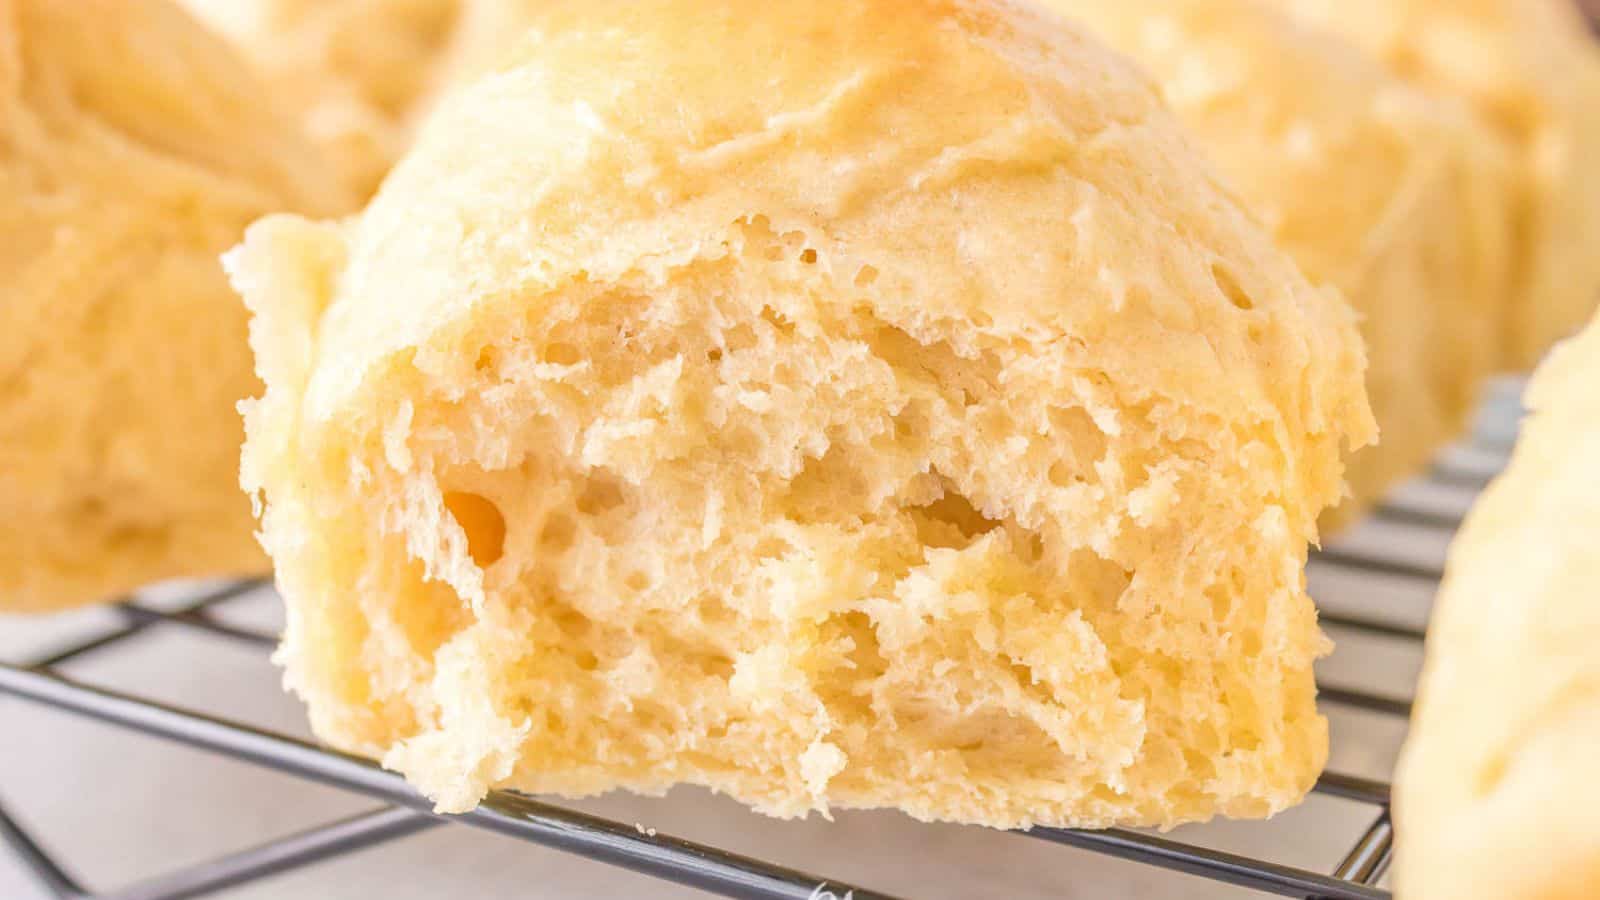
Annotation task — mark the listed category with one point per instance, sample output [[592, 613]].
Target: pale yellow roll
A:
[[356, 71], [1398, 197], [1498, 794], [363, 74], [1532, 70], [134, 149], [834, 403]]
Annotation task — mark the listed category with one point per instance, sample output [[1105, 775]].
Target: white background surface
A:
[[116, 807]]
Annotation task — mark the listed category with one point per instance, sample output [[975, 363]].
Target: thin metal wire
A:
[[1455, 475], [1369, 564], [616, 843], [1377, 627], [1367, 700], [203, 620], [45, 868], [1369, 858], [663, 856], [1217, 865], [1417, 517], [134, 624], [313, 845], [1353, 787]]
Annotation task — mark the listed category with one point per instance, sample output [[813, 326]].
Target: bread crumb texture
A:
[[1532, 70], [1398, 197], [1497, 794], [134, 149], [833, 404]]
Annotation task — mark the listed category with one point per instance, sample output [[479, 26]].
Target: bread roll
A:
[[356, 70], [134, 149], [1497, 794], [1396, 197], [1533, 72], [484, 31], [364, 73], [833, 403]]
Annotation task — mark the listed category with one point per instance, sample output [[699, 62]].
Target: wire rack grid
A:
[[401, 812]]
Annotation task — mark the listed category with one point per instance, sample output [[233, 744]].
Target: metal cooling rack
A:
[[402, 812]]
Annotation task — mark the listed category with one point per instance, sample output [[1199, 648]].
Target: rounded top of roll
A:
[[1335, 153], [980, 163], [1532, 70]]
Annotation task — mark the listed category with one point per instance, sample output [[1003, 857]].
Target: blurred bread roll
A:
[[485, 31], [357, 71], [1398, 197], [831, 403], [136, 149], [1497, 794], [1531, 69], [364, 73]]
